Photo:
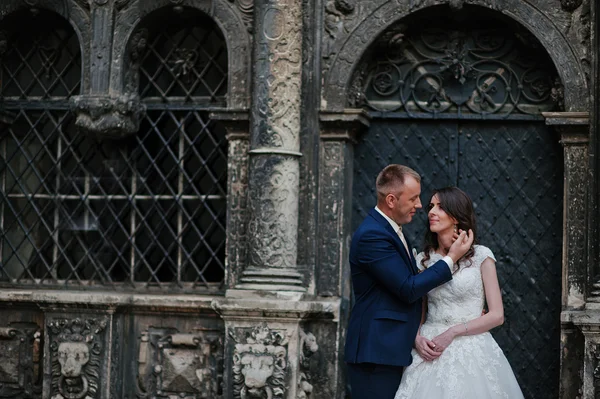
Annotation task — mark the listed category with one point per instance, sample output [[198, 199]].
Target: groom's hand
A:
[[426, 348], [461, 245]]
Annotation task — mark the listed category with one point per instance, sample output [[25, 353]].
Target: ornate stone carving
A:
[[595, 352], [186, 366], [356, 97], [108, 116], [570, 5], [276, 183], [260, 365], [308, 346], [20, 369], [456, 4], [335, 13], [246, 8], [76, 353]]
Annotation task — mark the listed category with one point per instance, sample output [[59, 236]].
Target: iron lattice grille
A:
[[513, 173], [186, 61], [457, 67], [142, 212]]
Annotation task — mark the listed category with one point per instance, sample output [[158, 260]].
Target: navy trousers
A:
[[373, 381]]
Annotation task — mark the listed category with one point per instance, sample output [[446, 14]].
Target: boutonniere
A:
[[414, 251]]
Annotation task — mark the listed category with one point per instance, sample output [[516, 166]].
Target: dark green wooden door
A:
[[513, 173]]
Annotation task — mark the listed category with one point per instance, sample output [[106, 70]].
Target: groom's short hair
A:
[[391, 179]]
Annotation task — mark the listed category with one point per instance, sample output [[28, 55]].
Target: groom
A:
[[388, 288]]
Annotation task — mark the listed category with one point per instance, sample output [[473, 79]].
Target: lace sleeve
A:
[[481, 254]]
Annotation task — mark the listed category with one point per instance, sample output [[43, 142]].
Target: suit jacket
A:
[[387, 291]]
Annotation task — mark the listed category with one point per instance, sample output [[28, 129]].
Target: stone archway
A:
[[345, 61]]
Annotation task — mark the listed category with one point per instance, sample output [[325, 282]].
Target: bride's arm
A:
[[493, 318], [425, 348]]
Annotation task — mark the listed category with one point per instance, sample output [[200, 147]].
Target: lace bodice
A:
[[462, 298]]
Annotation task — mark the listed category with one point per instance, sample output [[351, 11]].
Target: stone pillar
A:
[[574, 136], [274, 149], [338, 137], [235, 123], [574, 132]]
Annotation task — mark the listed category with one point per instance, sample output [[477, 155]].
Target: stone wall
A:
[[292, 118]]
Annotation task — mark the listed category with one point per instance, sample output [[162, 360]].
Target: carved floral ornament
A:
[[76, 351], [449, 70]]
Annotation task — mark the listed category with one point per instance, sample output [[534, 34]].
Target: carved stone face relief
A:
[[77, 357], [72, 356], [260, 365]]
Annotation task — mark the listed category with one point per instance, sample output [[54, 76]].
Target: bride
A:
[[455, 356]]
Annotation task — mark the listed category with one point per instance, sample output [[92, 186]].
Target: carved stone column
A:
[[338, 133], [574, 131], [106, 111], [274, 149]]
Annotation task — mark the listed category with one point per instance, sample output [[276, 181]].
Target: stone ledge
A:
[[567, 118], [105, 299], [277, 309], [240, 306], [581, 317]]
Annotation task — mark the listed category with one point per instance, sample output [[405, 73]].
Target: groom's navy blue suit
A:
[[387, 309]]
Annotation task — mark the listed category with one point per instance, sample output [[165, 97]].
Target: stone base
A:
[[271, 279]]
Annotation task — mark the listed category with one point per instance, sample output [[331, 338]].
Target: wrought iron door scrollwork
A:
[[462, 71]]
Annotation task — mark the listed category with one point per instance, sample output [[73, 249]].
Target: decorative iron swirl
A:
[[469, 71]]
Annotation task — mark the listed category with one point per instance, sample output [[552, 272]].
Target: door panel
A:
[[513, 173]]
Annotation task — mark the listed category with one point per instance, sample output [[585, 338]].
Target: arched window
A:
[[40, 69], [143, 212]]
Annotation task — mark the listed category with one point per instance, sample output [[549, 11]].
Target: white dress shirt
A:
[[398, 229]]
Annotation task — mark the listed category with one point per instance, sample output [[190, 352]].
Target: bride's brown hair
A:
[[457, 204]]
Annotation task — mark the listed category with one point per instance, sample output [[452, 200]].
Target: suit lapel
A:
[[408, 258]]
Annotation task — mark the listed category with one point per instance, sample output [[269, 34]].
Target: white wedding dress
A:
[[472, 366]]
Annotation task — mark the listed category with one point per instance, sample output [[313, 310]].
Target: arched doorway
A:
[[458, 95]]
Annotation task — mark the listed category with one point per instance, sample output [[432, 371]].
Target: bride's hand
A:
[[426, 348], [443, 340]]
